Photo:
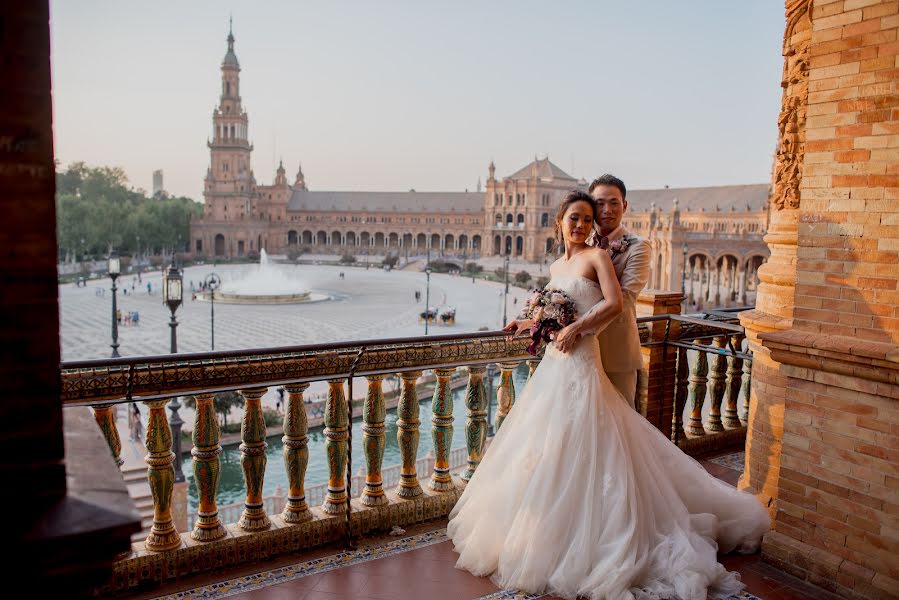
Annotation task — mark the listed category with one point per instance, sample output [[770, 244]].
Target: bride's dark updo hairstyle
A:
[[569, 199]]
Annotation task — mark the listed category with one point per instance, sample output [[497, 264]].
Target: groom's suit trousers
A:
[[626, 383]]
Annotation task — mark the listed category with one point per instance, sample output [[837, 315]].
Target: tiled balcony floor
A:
[[420, 565]]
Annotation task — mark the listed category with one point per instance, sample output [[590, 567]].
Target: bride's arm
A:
[[603, 312]]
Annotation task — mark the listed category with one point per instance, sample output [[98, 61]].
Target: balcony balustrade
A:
[[684, 358]]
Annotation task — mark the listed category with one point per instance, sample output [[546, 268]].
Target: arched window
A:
[[544, 220], [520, 220], [510, 219]]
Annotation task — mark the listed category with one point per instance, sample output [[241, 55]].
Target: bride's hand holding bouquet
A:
[[545, 313]]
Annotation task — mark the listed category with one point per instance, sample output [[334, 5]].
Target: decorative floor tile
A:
[[256, 581], [507, 595], [248, 583], [734, 461]]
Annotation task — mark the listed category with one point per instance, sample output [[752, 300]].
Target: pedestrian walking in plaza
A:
[[135, 424]]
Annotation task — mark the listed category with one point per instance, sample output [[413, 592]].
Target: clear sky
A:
[[401, 94]]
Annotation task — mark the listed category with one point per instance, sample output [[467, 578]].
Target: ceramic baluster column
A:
[[442, 431], [745, 389], [407, 435], [253, 461], [337, 433], [105, 415], [296, 454], [698, 385], [374, 413], [207, 467], [734, 379], [161, 473], [717, 386], [476, 427], [505, 394], [680, 395]]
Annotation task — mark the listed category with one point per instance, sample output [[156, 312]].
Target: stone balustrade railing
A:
[[664, 387]]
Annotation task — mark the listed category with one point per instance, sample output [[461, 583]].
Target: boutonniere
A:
[[619, 246], [615, 247]]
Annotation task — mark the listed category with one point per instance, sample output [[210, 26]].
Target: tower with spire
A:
[[300, 182], [230, 185]]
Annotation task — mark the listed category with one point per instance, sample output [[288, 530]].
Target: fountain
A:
[[266, 284]]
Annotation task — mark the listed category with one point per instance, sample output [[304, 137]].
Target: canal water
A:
[[231, 483]]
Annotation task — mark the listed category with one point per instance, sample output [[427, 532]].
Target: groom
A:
[[620, 341]]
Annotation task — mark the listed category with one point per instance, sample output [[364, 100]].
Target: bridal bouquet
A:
[[551, 311]]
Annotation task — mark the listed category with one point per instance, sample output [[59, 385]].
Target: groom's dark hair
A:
[[609, 180]]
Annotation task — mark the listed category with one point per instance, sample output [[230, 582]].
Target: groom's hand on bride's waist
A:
[[567, 337]]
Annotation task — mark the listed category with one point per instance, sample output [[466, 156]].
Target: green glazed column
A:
[[296, 454], [505, 394], [680, 395], [697, 390], [163, 535], [734, 376], [105, 417], [442, 431], [374, 413], [407, 435], [207, 467], [336, 434], [253, 461], [476, 427], [717, 375]]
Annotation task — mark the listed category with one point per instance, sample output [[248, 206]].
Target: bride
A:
[[579, 495]]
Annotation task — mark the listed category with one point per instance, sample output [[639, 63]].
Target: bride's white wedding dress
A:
[[579, 495]]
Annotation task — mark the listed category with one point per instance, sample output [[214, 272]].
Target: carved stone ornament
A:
[[791, 122]]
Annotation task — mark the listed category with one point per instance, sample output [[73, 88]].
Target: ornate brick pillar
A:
[[655, 384], [823, 439], [775, 297]]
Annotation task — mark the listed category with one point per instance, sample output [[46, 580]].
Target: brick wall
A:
[[848, 267], [836, 371]]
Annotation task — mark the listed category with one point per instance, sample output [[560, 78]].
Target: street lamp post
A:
[[506, 289], [114, 268], [491, 373], [683, 276], [213, 281], [427, 298], [172, 295]]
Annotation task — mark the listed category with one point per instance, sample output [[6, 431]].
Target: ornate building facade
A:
[[709, 239]]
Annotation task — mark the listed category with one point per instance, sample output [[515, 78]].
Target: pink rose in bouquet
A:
[[551, 310]]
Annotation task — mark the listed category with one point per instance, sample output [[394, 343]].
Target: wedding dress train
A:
[[580, 496]]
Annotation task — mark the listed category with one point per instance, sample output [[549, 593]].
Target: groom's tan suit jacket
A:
[[619, 342]]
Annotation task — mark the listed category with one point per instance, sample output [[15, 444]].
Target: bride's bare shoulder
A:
[[555, 265], [600, 259]]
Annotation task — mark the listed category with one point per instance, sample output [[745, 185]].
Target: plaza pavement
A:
[[367, 304]]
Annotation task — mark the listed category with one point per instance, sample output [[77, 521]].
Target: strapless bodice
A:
[[585, 292]]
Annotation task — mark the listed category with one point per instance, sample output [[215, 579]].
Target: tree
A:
[[542, 281], [522, 277], [223, 403], [347, 259], [473, 267], [391, 260], [96, 209]]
